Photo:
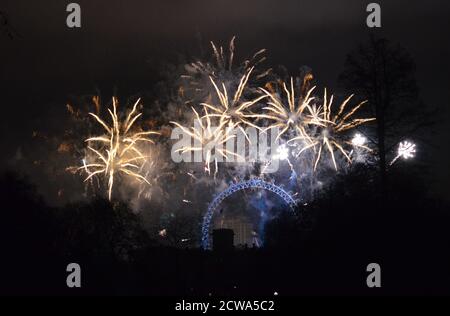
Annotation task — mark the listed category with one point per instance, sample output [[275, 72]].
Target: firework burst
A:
[[295, 114], [406, 150], [358, 140], [328, 135], [199, 74], [226, 62], [232, 112], [117, 152], [208, 139]]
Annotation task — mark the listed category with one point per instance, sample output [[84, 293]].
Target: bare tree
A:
[[6, 27], [384, 74]]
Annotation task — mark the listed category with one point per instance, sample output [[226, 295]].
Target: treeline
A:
[[323, 250]]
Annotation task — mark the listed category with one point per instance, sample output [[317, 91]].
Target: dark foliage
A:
[[346, 229], [383, 73]]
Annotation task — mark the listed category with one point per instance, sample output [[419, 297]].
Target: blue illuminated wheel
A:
[[248, 184]]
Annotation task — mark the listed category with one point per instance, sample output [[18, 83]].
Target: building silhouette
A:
[[242, 228], [223, 239]]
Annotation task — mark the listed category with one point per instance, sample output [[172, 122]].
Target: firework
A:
[[198, 73], [209, 139], [224, 62], [117, 152], [358, 140], [406, 150], [232, 112], [329, 134], [282, 153], [296, 115]]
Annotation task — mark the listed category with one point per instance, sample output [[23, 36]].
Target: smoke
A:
[[177, 194]]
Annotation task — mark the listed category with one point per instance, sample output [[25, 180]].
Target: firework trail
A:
[[199, 74], [282, 154], [118, 151]]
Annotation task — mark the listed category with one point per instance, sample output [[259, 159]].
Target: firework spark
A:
[[208, 139], [329, 134], [406, 150], [118, 151]]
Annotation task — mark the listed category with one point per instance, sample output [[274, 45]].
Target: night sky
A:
[[122, 43]]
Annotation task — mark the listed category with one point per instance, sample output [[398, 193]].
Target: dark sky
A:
[[119, 41]]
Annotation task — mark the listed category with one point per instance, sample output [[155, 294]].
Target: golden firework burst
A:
[[118, 151], [329, 134]]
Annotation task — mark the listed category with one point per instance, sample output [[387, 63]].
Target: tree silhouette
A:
[[6, 26], [101, 229], [384, 74], [27, 236]]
